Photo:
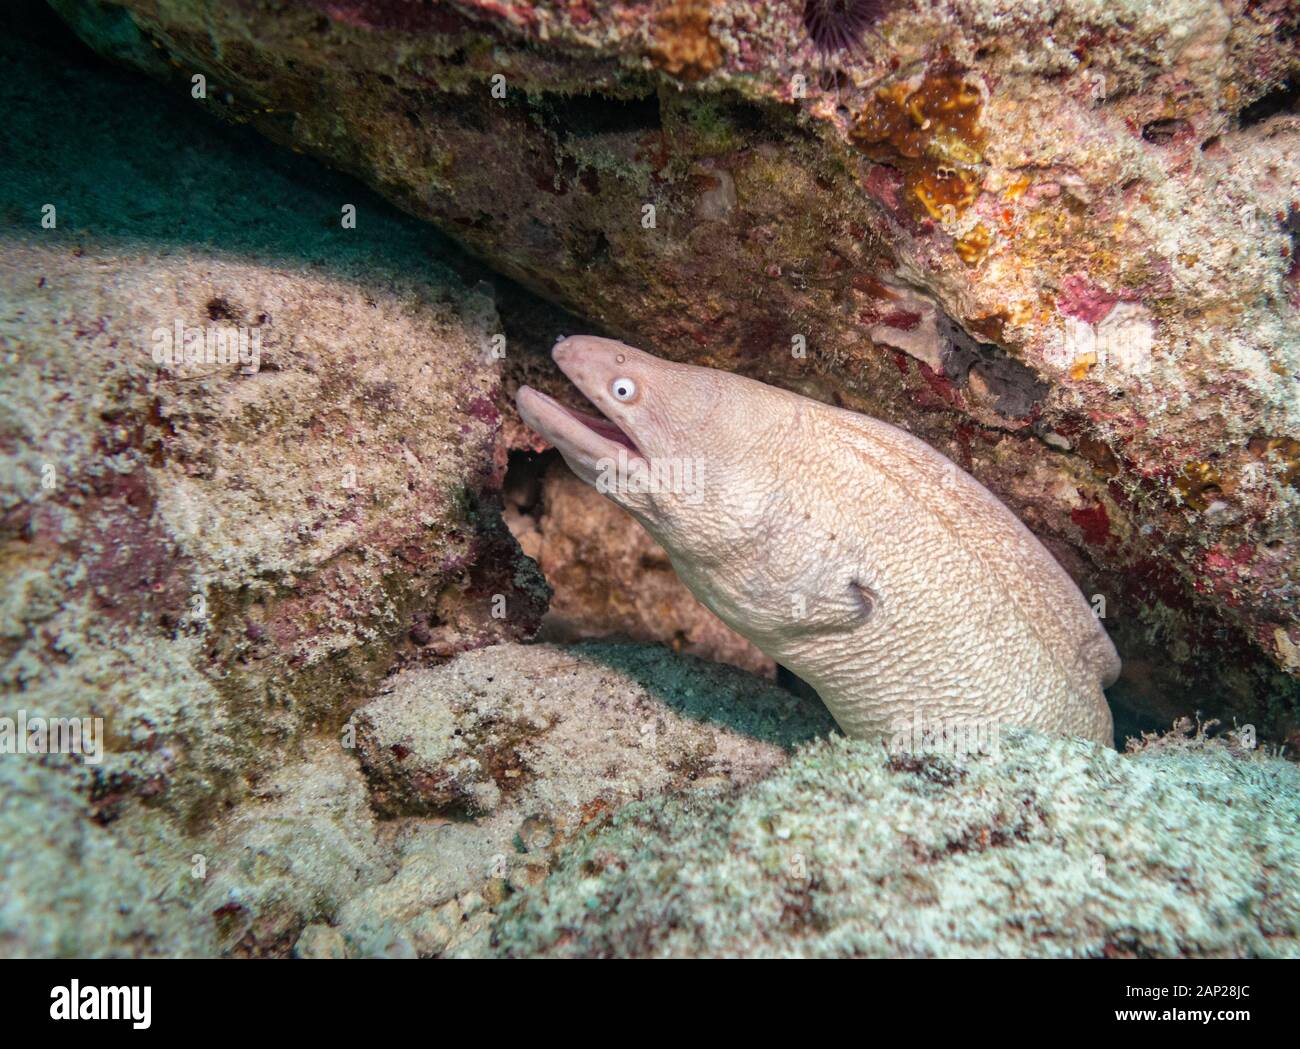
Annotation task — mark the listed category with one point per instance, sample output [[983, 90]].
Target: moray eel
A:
[[848, 551]]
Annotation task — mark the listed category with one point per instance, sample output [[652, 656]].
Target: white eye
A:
[[623, 389]]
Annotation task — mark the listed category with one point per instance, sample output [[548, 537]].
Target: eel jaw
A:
[[587, 438]]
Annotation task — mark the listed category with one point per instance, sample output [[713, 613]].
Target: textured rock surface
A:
[[226, 818], [609, 577], [344, 849], [1048, 848], [509, 751], [510, 720], [217, 558], [1055, 240], [76, 888]]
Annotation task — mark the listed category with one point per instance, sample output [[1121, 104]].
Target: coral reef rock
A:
[[1040, 848], [610, 578], [465, 737], [1056, 240], [484, 767], [251, 456]]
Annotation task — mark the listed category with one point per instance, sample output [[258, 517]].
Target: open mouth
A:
[[599, 424], [596, 424]]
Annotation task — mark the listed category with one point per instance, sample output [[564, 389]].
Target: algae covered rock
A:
[[77, 888], [1040, 847], [484, 768], [344, 848], [593, 721], [249, 451]]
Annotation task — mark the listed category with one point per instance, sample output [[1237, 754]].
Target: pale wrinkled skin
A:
[[850, 552]]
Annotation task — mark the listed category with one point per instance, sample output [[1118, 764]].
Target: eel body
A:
[[850, 552]]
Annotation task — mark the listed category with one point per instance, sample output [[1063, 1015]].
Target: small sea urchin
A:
[[838, 25]]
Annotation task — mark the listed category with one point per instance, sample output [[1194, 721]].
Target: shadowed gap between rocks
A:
[[44, 137]]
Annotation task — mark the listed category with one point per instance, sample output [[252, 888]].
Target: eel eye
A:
[[623, 390]]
